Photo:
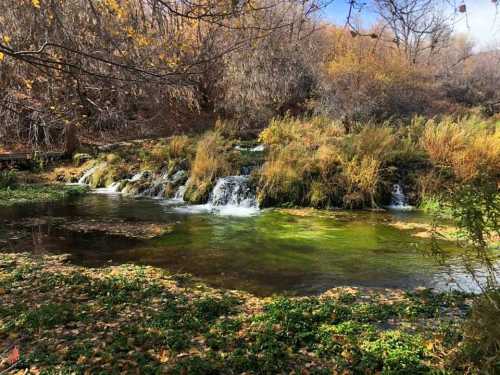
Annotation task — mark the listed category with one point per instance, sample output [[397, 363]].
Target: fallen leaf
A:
[[13, 355]]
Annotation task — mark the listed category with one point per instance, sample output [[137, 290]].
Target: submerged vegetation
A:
[[64, 318], [37, 193]]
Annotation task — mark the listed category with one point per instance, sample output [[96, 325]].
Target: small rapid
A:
[[231, 195], [399, 200], [85, 179], [234, 195]]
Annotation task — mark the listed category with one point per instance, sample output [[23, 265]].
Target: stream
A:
[[295, 252]]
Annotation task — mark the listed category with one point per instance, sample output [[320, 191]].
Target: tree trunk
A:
[[71, 142]]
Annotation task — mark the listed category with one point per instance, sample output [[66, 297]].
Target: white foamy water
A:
[[398, 199], [114, 188], [258, 148], [85, 179], [231, 196]]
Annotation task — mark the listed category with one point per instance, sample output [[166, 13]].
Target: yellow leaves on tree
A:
[[114, 7], [6, 40], [36, 3], [362, 60]]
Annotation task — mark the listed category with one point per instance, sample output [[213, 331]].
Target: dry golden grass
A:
[[374, 141], [179, 146], [313, 161], [443, 140], [468, 147], [212, 160], [362, 176], [280, 181]]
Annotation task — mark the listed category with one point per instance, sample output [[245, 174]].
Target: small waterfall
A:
[[233, 195], [258, 148], [398, 199], [179, 194], [156, 189], [114, 188], [85, 179], [136, 177], [158, 185]]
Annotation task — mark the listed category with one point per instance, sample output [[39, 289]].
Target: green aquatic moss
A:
[[38, 193]]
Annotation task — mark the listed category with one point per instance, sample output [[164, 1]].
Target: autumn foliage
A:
[[102, 70]]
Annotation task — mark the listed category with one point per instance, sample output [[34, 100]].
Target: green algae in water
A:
[[273, 252]]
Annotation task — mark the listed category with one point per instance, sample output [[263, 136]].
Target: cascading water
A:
[[258, 148], [114, 188], [85, 179], [179, 194], [158, 185], [234, 191], [136, 177], [398, 199], [233, 195]]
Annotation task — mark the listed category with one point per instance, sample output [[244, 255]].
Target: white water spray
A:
[[85, 179], [398, 199], [233, 195]]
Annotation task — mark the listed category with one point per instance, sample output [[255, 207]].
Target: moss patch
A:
[[38, 193]]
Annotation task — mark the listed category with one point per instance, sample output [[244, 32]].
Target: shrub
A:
[[364, 78], [362, 178], [462, 150], [280, 182], [8, 179], [442, 140], [374, 141], [481, 348]]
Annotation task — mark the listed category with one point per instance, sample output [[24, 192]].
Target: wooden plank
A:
[[30, 156]]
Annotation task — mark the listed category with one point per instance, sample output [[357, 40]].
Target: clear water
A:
[[270, 252]]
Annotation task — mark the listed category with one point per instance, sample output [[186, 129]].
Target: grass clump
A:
[[212, 160], [8, 179], [481, 347], [466, 147], [314, 162], [180, 147]]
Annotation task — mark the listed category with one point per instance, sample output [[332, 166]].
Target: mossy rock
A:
[[80, 158], [170, 190], [198, 194], [176, 165]]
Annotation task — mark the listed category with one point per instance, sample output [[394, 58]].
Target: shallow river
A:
[[269, 252]]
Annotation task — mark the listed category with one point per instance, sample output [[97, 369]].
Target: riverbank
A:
[[130, 318]]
